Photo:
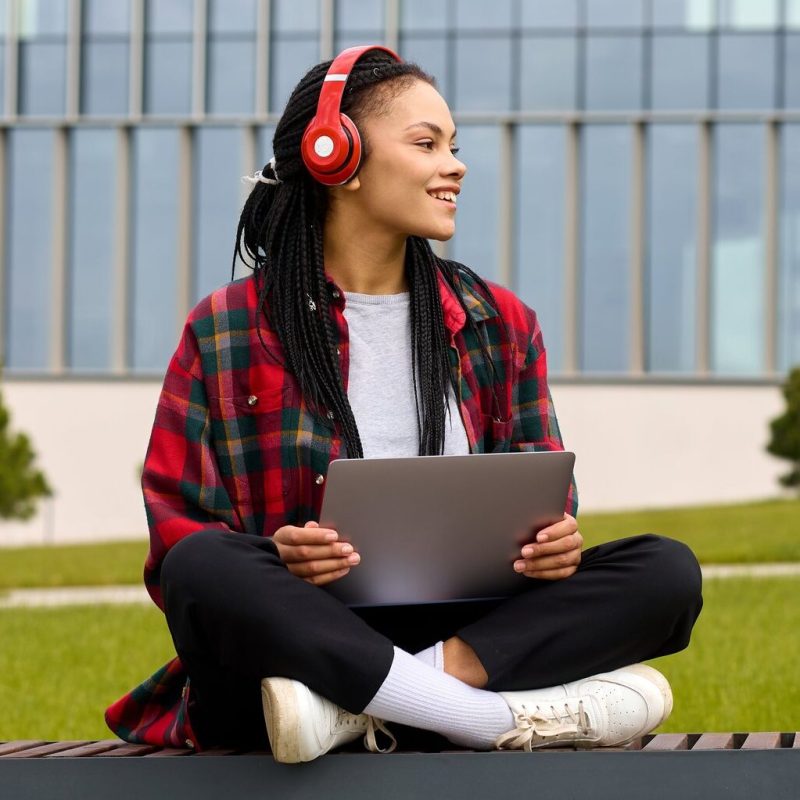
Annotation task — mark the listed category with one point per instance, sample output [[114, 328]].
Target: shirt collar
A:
[[454, 316]]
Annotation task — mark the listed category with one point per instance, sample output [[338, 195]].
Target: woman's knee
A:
[[674, 571]]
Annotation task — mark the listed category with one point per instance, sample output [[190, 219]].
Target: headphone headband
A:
[[331, 145]]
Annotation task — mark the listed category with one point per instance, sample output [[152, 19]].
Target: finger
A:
[[315, 552], [321, 580], [572, 542], [307, 569], [558, 530], [560, 561], [551, 574], [292, 535]]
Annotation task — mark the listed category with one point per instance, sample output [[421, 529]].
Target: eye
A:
[[453, 150]]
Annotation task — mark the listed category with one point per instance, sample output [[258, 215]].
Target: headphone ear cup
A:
[[331, 156]]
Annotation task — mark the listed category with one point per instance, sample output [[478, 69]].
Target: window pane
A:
[[792, 72], [344, 39], [91, 252], [693, 15], [749, 13], [2, 78], [232, 16], [615, 14], [548, 73], [483, 70], [475, 240], [539, 227], [290, 61], [423, 15], [789, 310], [737, 292], [105, 77], [168, 16], [613, 72], [101, 16], [672, 248], [605, 248], [154, 236], [42, 67], [231, 76], [471, 15], [679, 72], [218, 172], [746, 71], [359, 15], [168, 77], [295, 15], [42, 18], [431, 54], [547, 14], [3, 17], [793, 13], [29, 248]]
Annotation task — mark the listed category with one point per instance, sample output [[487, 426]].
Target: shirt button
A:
[[252, 400], [320, 479], [330, 415], [338, 351], [190, 743], [336, 293]]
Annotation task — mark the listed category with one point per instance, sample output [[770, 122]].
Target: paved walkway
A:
[[122, 595]]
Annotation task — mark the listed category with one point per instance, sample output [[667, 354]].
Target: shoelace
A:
[[347, 720], [370, 740], [540, 726]]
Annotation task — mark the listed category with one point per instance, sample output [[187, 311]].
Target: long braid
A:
[[279, 236]]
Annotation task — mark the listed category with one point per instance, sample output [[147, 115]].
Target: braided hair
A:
[[279, 236]]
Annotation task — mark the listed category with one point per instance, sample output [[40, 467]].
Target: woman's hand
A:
[[555, 554], [313, 553]]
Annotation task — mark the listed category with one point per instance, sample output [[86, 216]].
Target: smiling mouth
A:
[[448, 203]]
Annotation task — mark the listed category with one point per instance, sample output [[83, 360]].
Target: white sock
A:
[[433, 656], [419, 695]]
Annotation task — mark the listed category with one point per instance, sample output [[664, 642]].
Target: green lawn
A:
[[753, 532], [59, 668]]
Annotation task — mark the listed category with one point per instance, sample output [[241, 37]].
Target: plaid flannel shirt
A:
[[235, 448]]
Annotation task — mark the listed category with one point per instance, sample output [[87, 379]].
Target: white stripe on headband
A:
[[336, 77]]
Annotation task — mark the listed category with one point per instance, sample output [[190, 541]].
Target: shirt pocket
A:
[[248, 433]]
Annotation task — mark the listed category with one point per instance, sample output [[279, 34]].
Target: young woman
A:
[[352, 339]]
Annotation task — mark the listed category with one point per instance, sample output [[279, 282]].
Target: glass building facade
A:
[[634, 168]]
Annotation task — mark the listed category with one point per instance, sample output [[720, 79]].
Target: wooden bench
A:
[[674, 766]]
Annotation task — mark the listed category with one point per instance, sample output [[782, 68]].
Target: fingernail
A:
[[527, 552], [542, 537], [347, 549], [519, 566], [354, 559], [331, 537]]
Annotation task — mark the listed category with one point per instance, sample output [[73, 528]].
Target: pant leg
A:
[[630, 600], [237, 615]]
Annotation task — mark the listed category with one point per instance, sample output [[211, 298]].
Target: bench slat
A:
[[668, 741], [128, 749], [762, 741], [91, 749], [714, 741], [9, 748], [168, 752], [46, 749]]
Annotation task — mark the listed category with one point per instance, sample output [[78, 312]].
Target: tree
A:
[[21, 484], [785, 442]]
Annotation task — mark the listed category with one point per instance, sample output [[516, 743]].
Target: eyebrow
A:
[[433, 127]]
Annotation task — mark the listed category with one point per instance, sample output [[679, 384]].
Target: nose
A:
[[455, 167]]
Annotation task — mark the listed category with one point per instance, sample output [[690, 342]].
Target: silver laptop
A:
[[441, 528]]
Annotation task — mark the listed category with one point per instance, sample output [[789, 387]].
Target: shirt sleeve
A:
[[181, 483], [535, 423]]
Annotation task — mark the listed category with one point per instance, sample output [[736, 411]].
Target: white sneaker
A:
[[605, 710], [302, 725]]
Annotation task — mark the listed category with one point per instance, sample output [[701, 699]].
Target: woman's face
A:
[[411, 157]]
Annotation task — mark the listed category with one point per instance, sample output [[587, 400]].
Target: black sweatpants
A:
[[237, 615]]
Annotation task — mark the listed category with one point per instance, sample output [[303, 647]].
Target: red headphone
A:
[[331, 146]]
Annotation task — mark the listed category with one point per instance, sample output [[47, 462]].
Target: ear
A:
[[352, 185]]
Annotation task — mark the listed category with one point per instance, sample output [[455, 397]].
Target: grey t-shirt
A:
[[380, 386]]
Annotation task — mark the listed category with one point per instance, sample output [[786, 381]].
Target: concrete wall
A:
[[637, 446]]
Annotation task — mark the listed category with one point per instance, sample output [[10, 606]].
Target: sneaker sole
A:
[[283, 726]]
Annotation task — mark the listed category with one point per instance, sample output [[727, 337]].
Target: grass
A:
[[747, 533], [60, 668]]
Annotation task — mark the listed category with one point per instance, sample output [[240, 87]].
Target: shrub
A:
[[785, 441], [21, 484]]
